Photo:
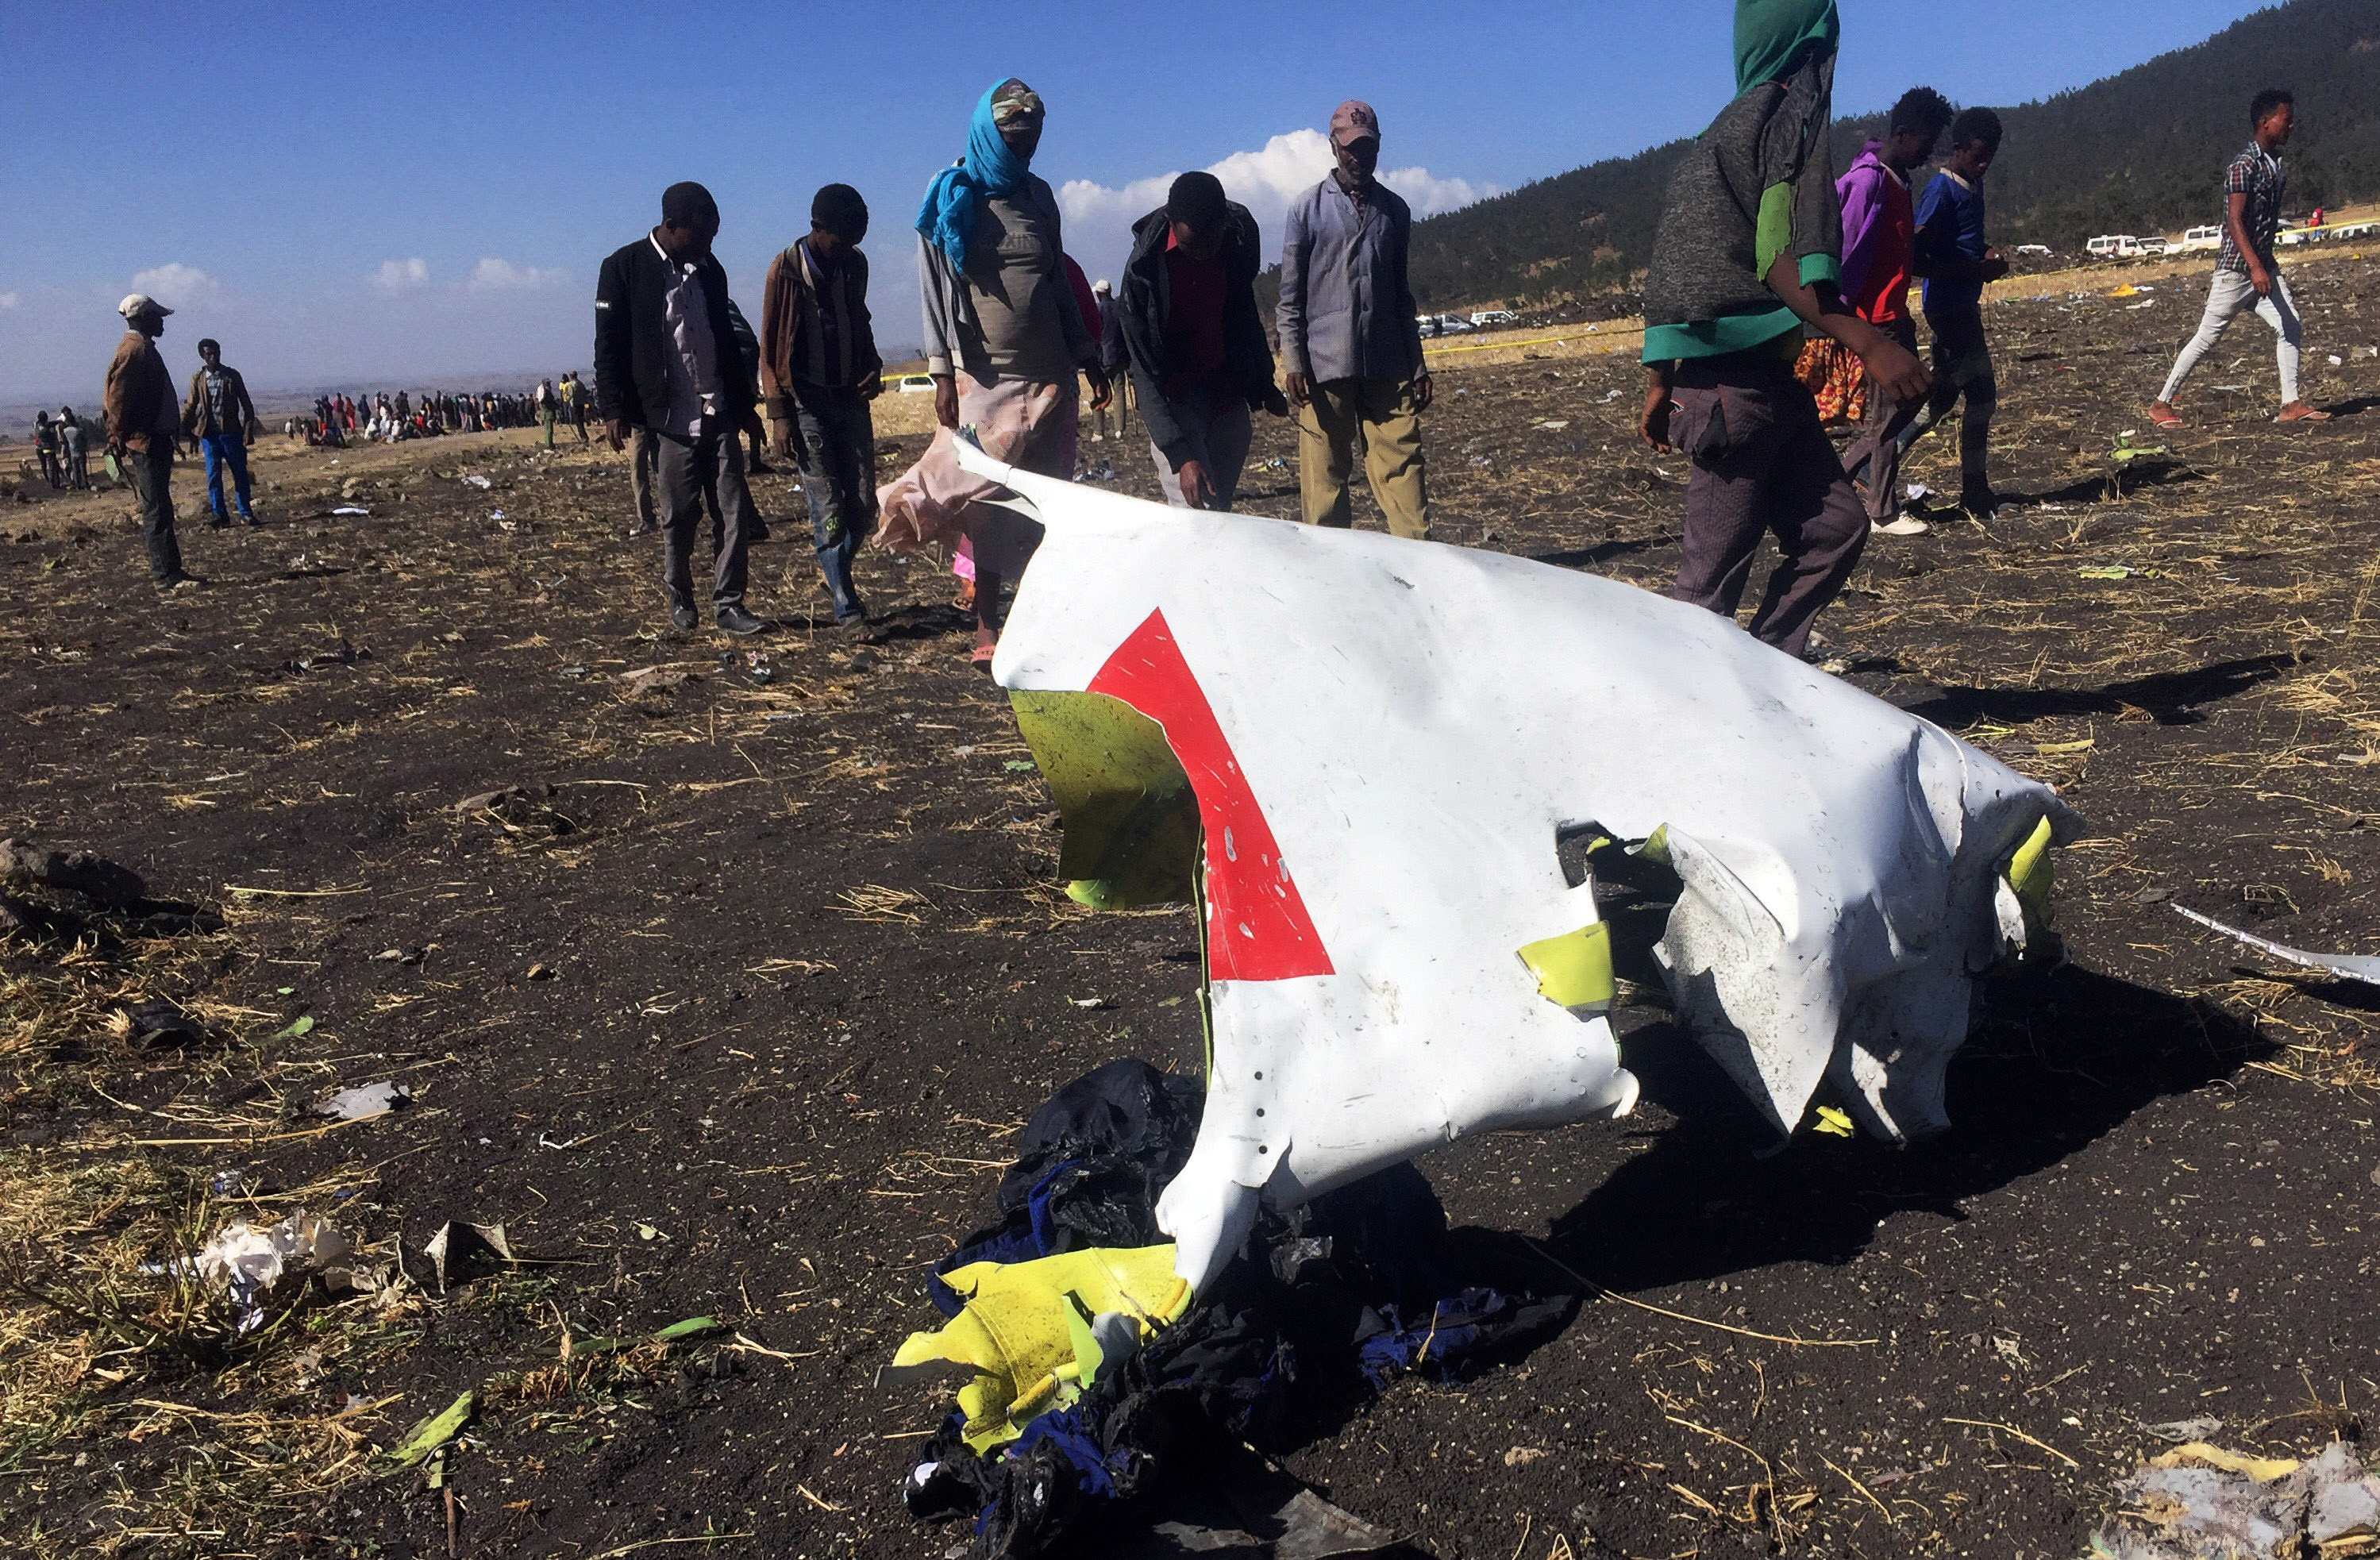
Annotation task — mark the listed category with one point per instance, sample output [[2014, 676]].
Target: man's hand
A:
[[780, 437], [1654, 424], [615, 433], [1101, 392], [1301, 389], [1196, 491], [2259, 278], [1897, 368], [1422, 392], [946, 401]]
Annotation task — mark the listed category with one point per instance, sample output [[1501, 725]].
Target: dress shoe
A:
[[682, 616], [734, 619]]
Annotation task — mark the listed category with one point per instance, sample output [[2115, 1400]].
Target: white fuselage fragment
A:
[[1416, 723]]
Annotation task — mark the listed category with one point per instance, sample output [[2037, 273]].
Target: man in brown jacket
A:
[[143, 416], [818, 370], [219, 415]]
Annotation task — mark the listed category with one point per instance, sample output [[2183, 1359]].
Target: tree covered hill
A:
[[2142, 152]]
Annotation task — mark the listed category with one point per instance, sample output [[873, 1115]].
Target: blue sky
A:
[[411, 193]]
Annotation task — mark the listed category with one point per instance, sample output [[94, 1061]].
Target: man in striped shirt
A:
[[2246, 275]]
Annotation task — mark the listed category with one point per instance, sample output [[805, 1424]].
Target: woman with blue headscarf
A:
[[1005, 339]]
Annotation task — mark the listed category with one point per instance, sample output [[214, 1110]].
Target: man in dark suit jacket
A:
[[666, 360]]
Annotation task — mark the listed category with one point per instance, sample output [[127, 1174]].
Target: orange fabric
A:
[[1835, 379]]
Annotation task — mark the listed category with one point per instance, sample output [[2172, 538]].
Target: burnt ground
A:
[[735, 1008]]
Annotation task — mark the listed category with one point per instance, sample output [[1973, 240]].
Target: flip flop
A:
[[2300, 412], [2164, 418], [982, 657]]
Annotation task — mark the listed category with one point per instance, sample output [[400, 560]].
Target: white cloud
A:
[[7, 301], [1098, 219], [499, 275], [399, 275], [176, 285]]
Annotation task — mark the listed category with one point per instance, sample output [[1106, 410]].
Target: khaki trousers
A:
[[1380, 411]]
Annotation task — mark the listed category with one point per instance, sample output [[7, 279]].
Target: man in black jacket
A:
[[1196, 345], [666, 360]]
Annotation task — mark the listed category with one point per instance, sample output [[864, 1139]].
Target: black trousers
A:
[[685, 470], [152, 483]]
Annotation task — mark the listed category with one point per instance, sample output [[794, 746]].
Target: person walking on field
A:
[[1196, 340], [143, 416], [1348, 336], [1005, 342], [218, 414], [2246, 275], [1747, 253], [666, 359], [1957, 261], [547, 406], [1880, 235], [819, 371]]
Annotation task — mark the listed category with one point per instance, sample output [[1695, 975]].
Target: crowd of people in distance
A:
[[339, 420], [1776, 300]]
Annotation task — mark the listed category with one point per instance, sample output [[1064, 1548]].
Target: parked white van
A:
[[2197, 241], [2113, 246]]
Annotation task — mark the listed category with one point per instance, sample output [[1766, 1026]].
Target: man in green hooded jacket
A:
[[1735, 279]]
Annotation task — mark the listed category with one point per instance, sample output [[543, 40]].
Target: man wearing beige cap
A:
[[1348, 338], [143, 416]]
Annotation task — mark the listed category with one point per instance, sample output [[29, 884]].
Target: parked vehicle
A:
[[2153, 247], [2357, 230], [2113, 246], [2197, 241], [2033, 249], [2290, 237], [916, 385], [1485, 318]]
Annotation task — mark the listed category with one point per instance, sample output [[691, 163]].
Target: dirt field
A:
[[732, 1009]]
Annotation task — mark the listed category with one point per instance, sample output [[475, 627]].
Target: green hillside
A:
[[2138, 153]]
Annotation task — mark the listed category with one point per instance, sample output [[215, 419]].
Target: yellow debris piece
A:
[[2030, 873], [1834, 1123], [1018, 1336], [2264, 1470], [1574, 970]]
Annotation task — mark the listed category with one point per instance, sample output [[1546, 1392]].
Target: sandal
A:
[[2164, 416], [2298, 412], [982, 657]]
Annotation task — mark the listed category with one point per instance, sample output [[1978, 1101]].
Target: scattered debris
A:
[[98, 881], [156, 1023], [2199, 1501], [460, 1252], [262, 1269], [646, 679], [365, 1100], [479, 481], [351, 509], [434, 1433], [2347, 966]]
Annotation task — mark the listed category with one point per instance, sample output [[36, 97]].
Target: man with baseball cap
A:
[[143, 416], [1348, 336]]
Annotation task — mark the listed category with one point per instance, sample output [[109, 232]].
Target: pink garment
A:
[[1029, 423]]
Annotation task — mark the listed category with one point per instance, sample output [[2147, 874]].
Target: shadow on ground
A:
[[2062, 1058], [2173, 698]]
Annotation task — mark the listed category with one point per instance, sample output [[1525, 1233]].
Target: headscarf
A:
[[1774, 36], [946, 217]]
